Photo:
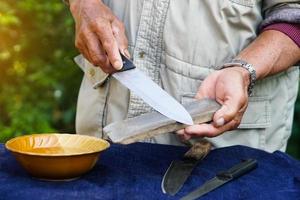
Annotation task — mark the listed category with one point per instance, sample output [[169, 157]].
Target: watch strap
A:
[[248, 67]]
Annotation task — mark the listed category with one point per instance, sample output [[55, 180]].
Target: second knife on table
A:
[[179, 170], [222, 178]]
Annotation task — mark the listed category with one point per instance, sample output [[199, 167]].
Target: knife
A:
[[222, 178], [151, 93], [142, 86], [179, 170]]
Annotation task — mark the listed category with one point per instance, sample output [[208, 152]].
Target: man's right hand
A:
[[100, 36]]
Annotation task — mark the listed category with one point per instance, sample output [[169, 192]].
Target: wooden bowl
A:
[[56, 156]]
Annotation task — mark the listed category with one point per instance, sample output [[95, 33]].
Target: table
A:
[[135, 172]]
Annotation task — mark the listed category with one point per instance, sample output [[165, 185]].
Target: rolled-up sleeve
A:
[[283, 16], [280, 11], [292, 30]]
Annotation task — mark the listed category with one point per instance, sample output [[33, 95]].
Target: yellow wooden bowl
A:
[[57, 156]]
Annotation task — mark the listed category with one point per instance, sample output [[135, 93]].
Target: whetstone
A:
[[151, 124]]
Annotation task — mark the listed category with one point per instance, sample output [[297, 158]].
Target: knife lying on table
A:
[[179, 170], [222, 178]]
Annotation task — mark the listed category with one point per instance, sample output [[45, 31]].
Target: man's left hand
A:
[[229, 87]]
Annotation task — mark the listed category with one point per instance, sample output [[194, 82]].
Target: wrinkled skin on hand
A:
[[229, 88], [100, 36]]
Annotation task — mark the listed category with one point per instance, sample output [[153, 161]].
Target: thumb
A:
[[226, 113], [202, 91], [200, 95]]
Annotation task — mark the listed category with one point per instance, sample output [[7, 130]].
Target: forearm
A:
[[272, 52]]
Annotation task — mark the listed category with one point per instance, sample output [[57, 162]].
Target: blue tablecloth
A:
[[135, 172]]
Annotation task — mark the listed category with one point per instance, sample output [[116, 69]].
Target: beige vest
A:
[[178, 43]]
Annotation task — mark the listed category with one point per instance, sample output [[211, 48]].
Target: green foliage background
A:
[[38, 79]]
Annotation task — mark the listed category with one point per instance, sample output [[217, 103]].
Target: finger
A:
[[207, 88], [209, 130], [109, 43], [98, 56], [229, 110], [180, 132], [80, 45], [182, 135], [118, 30], [202, 92], [186, 137], [84, 51], [108, 68], [96, 53]]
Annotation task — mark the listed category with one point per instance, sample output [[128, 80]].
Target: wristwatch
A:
[[248, 67]]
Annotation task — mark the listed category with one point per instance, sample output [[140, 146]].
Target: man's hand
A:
[[100, 36], [229, 88], [272, 52]]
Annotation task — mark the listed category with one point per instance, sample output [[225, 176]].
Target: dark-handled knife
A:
[[179, 170], [222, 178], [144, 87]]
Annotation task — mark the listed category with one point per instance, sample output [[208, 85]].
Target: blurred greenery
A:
[[39, 81]]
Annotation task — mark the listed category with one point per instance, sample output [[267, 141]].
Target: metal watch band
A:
[[248, 67]]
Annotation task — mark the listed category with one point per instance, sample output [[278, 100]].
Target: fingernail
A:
[[118, 65], [220, 122], [126, 53], [180, 132]]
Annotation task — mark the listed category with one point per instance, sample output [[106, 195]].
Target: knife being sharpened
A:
[[179, 170], [222, 178], [142, 86], [151, 93]]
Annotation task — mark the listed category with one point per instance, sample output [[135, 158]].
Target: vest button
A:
[[92, 73], [142, 54]]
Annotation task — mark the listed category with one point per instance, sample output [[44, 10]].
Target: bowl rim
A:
[[107, 145]]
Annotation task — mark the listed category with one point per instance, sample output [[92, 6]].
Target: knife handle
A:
[[127, 64], [239, 169], [199, 150]]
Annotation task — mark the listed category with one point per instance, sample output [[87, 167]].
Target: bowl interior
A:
[[56, 144]]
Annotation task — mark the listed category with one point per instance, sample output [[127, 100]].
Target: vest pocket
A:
[[258, 113]]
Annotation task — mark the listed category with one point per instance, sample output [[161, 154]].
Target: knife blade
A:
[[222, 178], [179, 170], [151, 93]]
